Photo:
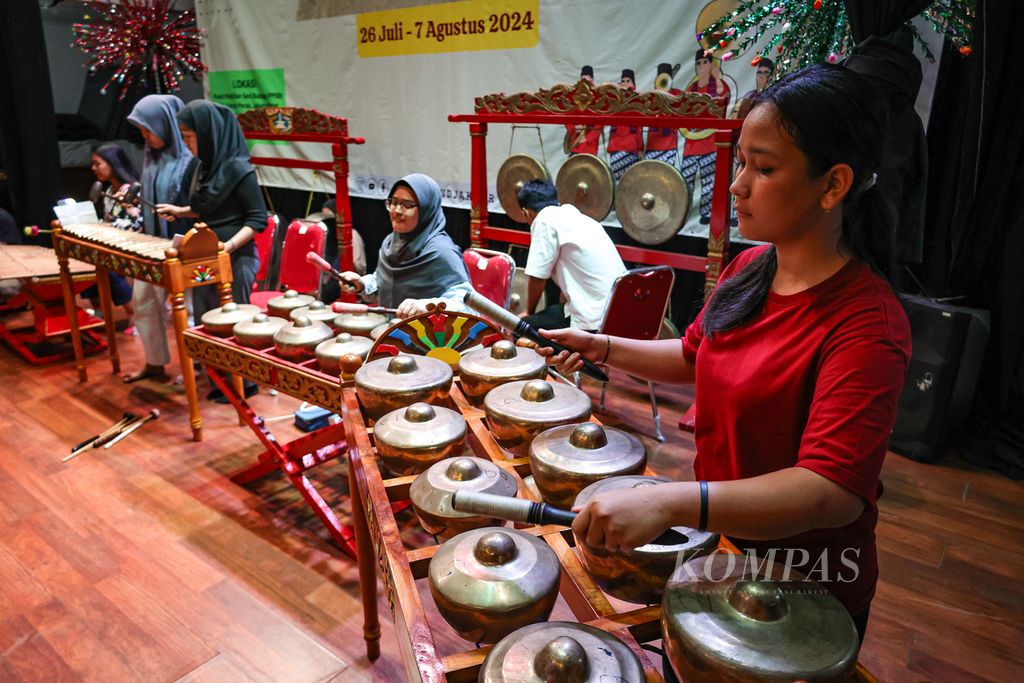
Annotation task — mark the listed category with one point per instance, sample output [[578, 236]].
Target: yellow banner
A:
[[449, 27]]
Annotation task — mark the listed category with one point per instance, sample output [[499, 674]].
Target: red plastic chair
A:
[[265, 248], [296, 273], [635, 310], [491, 273]]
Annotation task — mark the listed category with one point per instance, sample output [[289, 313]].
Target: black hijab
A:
[[424, 263], [223, 153], [120, 164]]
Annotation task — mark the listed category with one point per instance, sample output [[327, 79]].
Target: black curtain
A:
[[880, 17], [27, 120], [979, 224], [884, 54]]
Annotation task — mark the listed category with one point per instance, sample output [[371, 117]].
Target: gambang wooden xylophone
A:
[[199, 260]]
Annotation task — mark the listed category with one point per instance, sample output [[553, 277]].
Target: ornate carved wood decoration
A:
[[135, 268], [587, 98], [266, 368], [291, 120]]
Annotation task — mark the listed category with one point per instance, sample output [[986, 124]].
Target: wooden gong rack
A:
[[295, 124], [587, 104], [375, 496], [379, 545]]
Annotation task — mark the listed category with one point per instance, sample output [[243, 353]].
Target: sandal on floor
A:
[[148, 372]]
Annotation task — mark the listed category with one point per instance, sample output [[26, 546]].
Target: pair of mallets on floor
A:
[[119, 430]]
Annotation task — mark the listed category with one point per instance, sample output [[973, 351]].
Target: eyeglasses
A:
[[403, 205]]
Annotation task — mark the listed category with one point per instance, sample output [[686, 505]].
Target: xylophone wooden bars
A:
[[199, 260]]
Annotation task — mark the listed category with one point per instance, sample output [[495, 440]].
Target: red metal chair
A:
[[296, 273], [635, 310], [491, 274]]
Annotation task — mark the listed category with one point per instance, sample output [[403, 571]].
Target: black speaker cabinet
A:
[[949, 344]]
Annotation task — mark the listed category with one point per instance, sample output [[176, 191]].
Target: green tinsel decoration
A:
[[804, 32]]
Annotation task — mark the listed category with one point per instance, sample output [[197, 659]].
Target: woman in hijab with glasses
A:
[[165, 173], [226, 196], [418, 262]]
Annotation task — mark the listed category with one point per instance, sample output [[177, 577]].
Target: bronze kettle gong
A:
[[489, 582], [431, 493], [561, 652], [639, 575], [722, 622], [483, 369]]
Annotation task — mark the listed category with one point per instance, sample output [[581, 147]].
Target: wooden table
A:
[[38, 272]]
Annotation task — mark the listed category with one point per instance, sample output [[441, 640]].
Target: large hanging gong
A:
[[586, 182], [513, 174], [652, 201]]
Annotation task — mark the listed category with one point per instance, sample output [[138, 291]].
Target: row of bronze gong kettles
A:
[[651, 199]]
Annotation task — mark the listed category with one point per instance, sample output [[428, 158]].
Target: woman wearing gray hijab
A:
[[164, 180], [418, 263]]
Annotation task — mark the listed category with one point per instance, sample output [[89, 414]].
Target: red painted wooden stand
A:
[[295, 458], [608, 105], [294, 124]]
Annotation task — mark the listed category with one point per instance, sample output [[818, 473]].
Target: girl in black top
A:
[[225, 195]]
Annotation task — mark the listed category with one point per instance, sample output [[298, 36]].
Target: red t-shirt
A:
[[812, 380]]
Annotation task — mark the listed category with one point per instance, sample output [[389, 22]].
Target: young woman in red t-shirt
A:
[[798, 358]]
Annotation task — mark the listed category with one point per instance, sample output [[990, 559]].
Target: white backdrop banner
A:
[[397, 69]]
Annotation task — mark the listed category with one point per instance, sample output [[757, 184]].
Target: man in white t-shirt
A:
[[572, 249]]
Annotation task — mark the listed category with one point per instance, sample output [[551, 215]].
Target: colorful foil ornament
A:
[[804, 32], [145, 41]]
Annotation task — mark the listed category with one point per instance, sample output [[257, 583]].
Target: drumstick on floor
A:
[[153, 414], [102, 437]]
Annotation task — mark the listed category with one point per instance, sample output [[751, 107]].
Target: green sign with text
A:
[[247, 88]]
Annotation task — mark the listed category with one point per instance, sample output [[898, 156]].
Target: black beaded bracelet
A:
[[702, 525], [607, 348]]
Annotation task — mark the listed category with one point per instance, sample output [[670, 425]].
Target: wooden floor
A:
[[145, 563]]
